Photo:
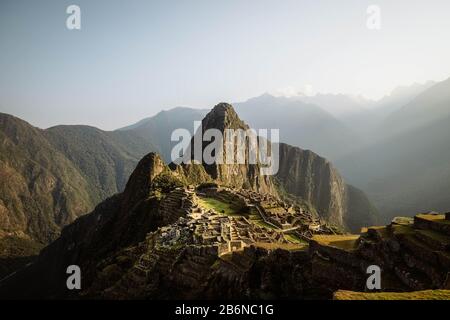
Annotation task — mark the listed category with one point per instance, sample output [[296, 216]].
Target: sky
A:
[[131, 59]]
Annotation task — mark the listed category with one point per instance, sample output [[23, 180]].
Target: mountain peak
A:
[[140, 180], [223, 107], [221, 117]]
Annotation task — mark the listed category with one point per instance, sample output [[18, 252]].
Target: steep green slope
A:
[[105, 159], [51, 177], [40, 189]]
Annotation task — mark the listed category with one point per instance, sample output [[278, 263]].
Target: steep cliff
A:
[[315, 180], [236, 174]]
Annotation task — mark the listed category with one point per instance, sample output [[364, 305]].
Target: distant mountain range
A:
[[301, 124], [394, 149], [404, 167]]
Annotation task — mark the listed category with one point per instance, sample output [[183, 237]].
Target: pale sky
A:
[[132, 59]]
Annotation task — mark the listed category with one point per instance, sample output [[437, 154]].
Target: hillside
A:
[[40, 189], [407, 169], [51, 177], [316, 181], [106, 159]]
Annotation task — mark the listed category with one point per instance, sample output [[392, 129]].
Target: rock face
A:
[[237, 175], [413, 256], [313, 178]]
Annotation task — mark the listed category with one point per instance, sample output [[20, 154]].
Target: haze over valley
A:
[[97, 97]]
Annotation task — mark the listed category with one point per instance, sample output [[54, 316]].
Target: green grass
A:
[[402, 230], [294, 239], [256, 219], [218, 206], [416, 295], [264, 224], [283, 246], [344, 242], [13, 247]]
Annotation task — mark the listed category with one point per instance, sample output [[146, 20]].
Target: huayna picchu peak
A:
[[223, 116]]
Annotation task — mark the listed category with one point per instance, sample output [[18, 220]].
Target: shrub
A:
[[166, 182]]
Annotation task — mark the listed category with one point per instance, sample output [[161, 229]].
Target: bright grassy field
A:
[[218, 206], [345, 242], [294, 239], [416, 295]]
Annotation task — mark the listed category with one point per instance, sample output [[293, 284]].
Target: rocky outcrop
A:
[[412, 257], [314, 179], [237, 175]]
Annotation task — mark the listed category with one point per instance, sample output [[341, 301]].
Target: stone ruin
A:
[[413, 254]]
